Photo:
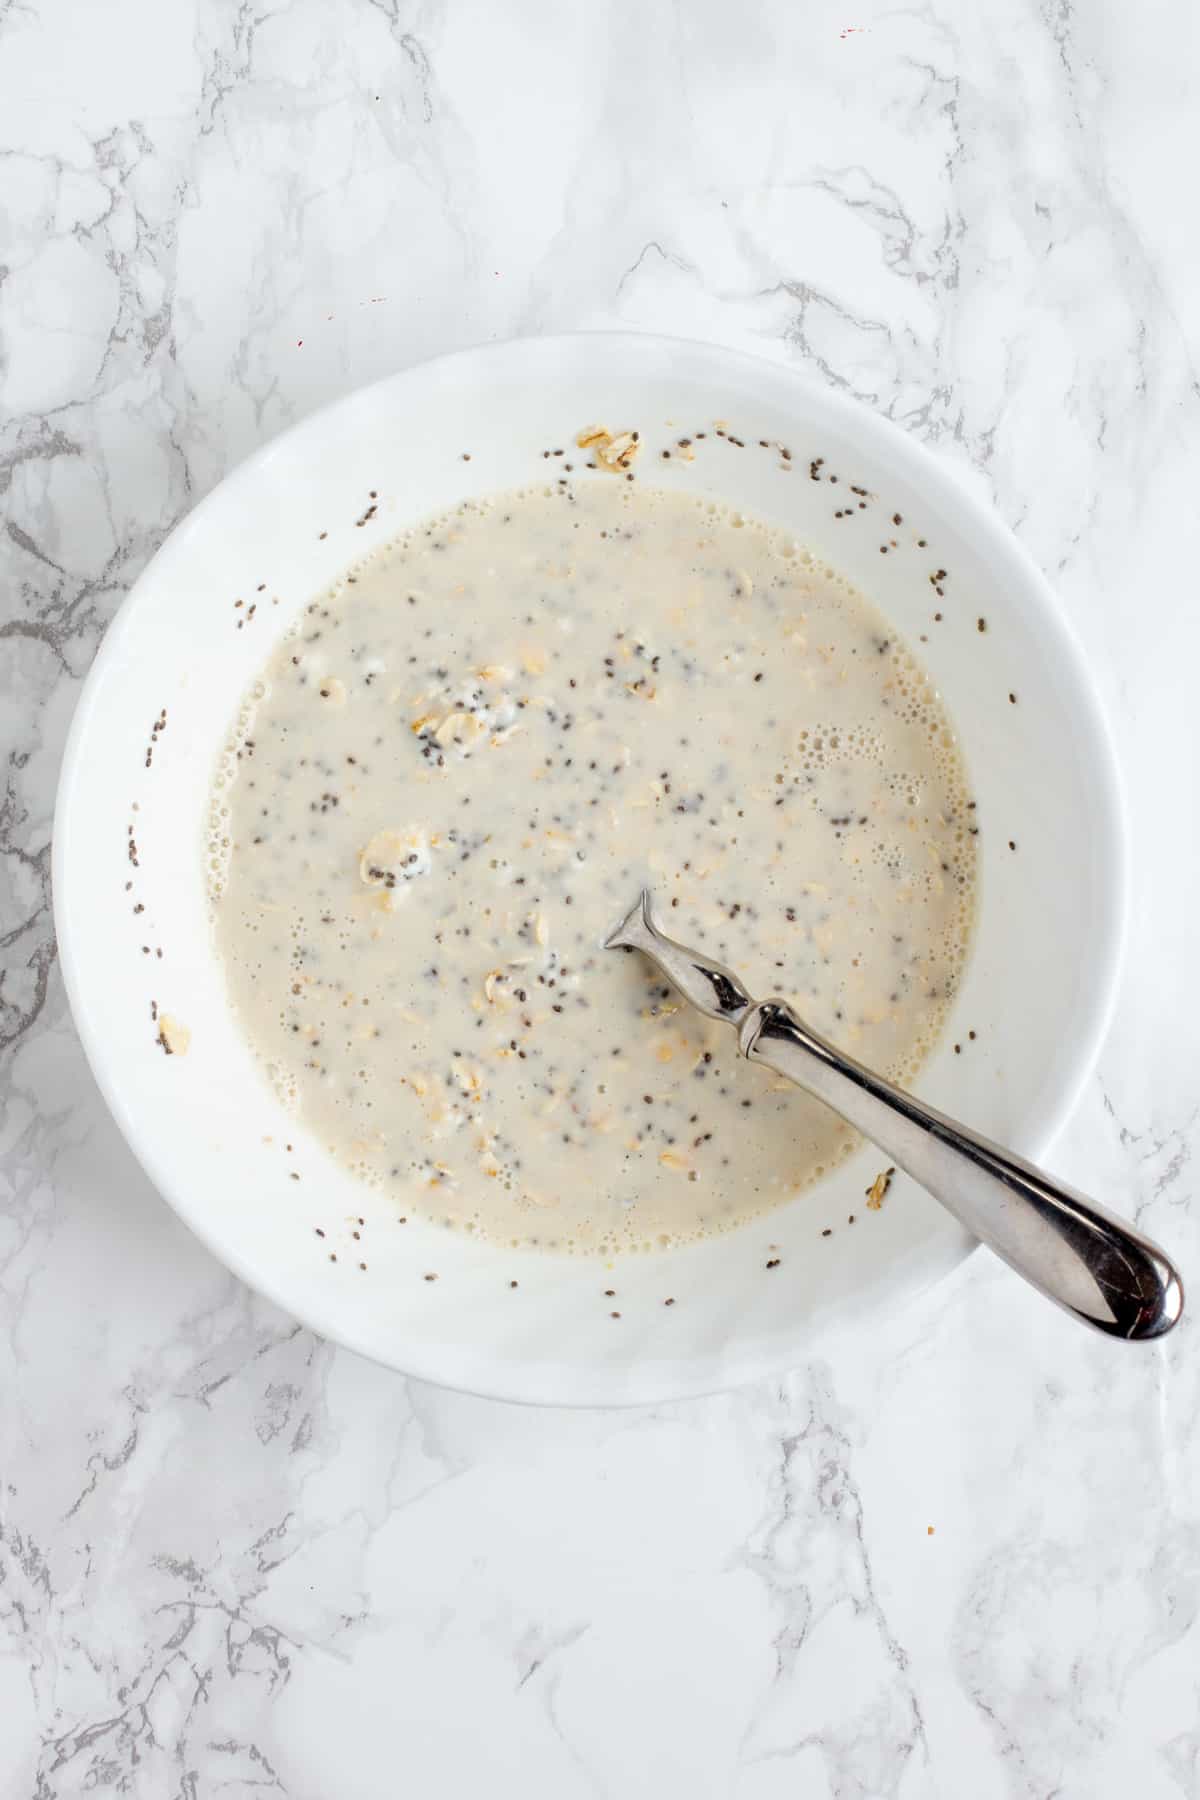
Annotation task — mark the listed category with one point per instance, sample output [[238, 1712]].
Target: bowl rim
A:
[[886, 439]]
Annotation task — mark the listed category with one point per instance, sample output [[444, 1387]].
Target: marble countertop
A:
[[960, 1556]]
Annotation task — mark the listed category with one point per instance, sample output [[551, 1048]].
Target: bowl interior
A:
[[129, 835]]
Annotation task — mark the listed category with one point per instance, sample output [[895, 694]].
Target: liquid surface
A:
[[455, 777]]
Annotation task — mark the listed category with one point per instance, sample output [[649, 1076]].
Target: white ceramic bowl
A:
[[207, 1127]]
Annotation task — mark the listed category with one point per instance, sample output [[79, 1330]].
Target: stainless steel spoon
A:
[[1074, 1251]]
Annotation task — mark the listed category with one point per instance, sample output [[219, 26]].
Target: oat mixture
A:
[[453, 780]]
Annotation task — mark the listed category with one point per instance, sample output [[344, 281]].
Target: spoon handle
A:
[[1078, 1254]]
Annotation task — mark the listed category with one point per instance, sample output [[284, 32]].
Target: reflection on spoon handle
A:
[[1074, 1251]]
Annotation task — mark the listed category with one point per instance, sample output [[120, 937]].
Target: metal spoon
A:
[[1074, 1251]]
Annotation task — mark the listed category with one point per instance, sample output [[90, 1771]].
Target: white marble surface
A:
[[233, 1560]]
